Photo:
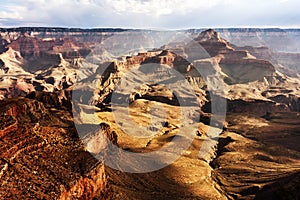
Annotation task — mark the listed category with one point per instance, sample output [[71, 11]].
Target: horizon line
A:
[[153, 28]]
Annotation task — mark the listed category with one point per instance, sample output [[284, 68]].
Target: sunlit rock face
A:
[[47, 58], [42, 157]]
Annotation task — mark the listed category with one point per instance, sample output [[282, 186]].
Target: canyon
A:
[[72, 101]]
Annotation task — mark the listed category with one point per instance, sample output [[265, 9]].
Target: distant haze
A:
[[170, 14]]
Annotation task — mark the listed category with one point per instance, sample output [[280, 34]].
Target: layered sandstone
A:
[[42, 157]]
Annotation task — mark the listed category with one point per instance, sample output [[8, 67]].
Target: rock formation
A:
[[51, 78], [42, 157]]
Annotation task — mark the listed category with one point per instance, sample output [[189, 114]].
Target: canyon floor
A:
[[252, 154]]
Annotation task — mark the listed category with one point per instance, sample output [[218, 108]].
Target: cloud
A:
[[149, 13], [79, 12], [11, 12], [159, 7]]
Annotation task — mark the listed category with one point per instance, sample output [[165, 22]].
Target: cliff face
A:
[[3, 45], [34, 67], [56, 62], [275, 39], [53, 60], [8, 124], [88, 187], [42, 157], [23, 107], [278, 46], [239, 65], [48, 57], [245, 77]]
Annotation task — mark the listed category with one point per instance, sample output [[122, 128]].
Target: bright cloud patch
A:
[[159, 7], [149, 13]]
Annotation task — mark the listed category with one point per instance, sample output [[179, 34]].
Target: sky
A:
[[157, 14]]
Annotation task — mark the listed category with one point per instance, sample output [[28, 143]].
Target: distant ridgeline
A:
[[282, 40]]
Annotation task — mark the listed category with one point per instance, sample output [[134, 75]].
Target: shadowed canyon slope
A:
[[70, 97]]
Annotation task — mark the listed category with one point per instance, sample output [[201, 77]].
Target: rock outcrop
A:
[[42, 157], [237, 66]]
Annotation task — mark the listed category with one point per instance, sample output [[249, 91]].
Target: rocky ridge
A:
[[42, 155]]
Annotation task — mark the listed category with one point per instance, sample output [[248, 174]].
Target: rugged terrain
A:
[[42, 157], [61, 90]]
